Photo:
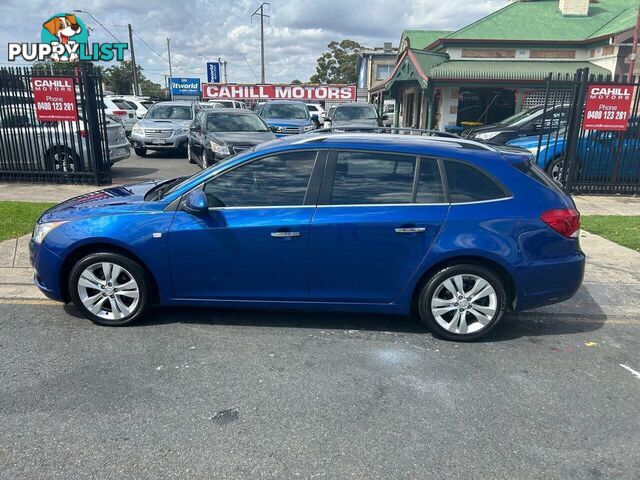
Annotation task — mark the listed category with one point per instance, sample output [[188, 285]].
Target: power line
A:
[[149, 46]]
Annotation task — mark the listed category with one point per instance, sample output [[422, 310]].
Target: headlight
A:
[[487, 135], [42, 230], [308, 128], [184, 129], [221, 149], [137, 129]]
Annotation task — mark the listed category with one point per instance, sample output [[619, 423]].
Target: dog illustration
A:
[[63, 28]]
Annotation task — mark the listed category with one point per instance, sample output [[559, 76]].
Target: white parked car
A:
[[117, 108], [230, 103], [318, 110], [139, 104]]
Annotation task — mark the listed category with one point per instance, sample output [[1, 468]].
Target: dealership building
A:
[[497, 65]]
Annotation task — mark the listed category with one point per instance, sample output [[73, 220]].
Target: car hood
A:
[[361, 122], [287, 122], [487, 128], [113, 200], [241, 138], [162, 123]]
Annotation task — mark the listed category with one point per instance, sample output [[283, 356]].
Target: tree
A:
[[296, 82], [119, 78], [338, 64]]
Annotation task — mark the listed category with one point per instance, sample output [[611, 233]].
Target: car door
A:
[[198, 136], [253, 242], [377, 218]]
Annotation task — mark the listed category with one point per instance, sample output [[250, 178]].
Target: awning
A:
[[508, 70]]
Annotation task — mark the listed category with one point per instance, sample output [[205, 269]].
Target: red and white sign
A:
[[212, 91], [54, 99], [607, 107]]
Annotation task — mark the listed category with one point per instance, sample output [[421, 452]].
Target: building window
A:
[[547, 53], [383, 71], [487, 53]]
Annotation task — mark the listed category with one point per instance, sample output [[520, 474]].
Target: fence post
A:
[[93, 123], [573, 126]]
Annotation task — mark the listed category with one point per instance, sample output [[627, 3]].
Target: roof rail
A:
[[367, 129], [436, 135]]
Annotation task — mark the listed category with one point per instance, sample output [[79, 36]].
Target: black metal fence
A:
[[589, 161], [53, 151]]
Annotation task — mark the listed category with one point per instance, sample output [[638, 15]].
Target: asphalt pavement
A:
[[257, 394]]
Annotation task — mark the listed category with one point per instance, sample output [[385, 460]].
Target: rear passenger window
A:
[[467, 184], [372, 178], [430, 188]]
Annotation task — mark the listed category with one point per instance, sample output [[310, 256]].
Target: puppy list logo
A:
[[65, 38]]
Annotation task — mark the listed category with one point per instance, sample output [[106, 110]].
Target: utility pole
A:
[[224, 68], [261, 15], [136, 88], [170, 72], [632, 62]]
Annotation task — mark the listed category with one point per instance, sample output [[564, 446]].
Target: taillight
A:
[[119, 112], [565, 221], [83, 133]]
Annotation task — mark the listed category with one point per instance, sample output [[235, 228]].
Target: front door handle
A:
[[410, 230], [285, 234]]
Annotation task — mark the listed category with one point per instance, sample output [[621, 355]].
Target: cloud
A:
[[296, 33]]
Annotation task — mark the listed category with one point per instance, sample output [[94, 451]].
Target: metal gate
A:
[[53, 151], [589, 161]]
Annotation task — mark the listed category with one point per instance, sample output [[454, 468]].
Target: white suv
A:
[[118, 109]]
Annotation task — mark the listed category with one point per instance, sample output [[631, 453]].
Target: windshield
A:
[[171, 112], [226, 103], [285, 110], [520, 117], [355, 113], [229, 122]]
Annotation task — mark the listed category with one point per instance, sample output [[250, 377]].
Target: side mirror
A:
[[196, 202], [274, 129], [195, 128]]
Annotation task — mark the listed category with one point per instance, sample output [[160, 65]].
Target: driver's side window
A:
[[278, 180]]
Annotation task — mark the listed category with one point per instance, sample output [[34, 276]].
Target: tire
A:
[[189, 157], [63, 159], [114, 305], [204, 159], [453, 321], [554, 169], [141, 152]]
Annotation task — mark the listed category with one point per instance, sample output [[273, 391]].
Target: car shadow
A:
[[578, 315]]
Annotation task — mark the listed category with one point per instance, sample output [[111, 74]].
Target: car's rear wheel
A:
[[63, 159], [555, 168], [141, 152], [462, 302], [109, 289]]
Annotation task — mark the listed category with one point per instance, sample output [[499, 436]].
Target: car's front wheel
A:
[[141, 152], [462, 302], [555, 168], [109, 288]]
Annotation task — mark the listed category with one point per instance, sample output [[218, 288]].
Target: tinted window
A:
[[352, 112], [173, 112], [293, 110], [372, 178], [279, 180], [430, 188], [222, 121], [123, 104], [467, 184]]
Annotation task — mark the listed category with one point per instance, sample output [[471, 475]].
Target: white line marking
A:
[[633, 372]]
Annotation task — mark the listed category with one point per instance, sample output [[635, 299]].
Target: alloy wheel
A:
[[63, 162], [464, 304], [108, 290], [556, 169]]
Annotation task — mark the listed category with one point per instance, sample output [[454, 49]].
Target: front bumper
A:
[[47, 267], [174, 141]]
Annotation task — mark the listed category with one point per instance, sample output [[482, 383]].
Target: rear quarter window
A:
[[468, 184]]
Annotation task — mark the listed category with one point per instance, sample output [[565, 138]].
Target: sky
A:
[[296, 33]]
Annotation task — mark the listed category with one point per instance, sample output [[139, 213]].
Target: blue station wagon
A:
[[453, 229]]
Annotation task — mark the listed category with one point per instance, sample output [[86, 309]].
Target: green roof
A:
[[421, 38], [541, 20], [507, 69]]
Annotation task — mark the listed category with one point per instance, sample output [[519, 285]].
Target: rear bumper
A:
[[549, 282], [46, 266], [174, 141]]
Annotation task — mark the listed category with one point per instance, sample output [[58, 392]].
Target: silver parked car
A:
[[61, 146], [165, 126]]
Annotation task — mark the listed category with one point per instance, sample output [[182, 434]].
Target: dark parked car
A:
[[357, 222], [217, 133], [523, 124]]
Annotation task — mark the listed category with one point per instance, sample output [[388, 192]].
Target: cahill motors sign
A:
[[213, 91], [607, 107]]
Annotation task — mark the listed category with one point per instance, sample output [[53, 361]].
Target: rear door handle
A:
[[285, 234], [410, 230]]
